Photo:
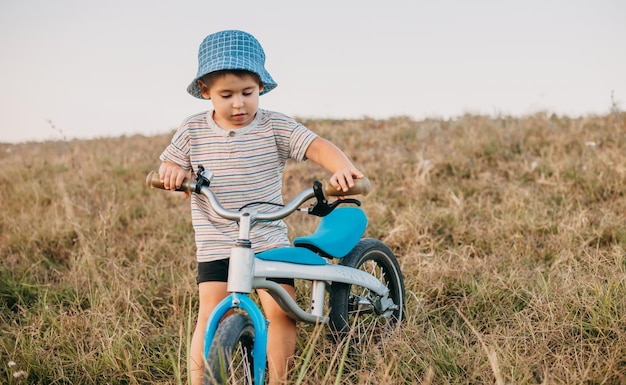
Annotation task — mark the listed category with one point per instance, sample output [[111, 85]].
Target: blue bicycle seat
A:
[[292, 255], [337, 233]]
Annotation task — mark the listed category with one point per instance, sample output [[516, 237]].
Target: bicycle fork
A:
[[240, 278], [259, 352]]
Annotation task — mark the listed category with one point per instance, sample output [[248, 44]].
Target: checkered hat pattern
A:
[[231, 50]]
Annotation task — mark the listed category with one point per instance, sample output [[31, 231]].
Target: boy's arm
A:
[[327, 155]]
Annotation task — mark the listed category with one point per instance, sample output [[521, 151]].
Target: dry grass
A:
[[511, 233]]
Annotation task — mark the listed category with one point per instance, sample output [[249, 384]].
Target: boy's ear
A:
[[260, 87], [204, 89]]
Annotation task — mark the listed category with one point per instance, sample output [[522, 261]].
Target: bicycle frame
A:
[[247, 272]]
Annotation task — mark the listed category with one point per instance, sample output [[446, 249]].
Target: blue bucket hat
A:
[[230, 50]]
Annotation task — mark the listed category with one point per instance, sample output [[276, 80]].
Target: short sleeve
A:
[[301, 139], [292, 138], [178, 150]]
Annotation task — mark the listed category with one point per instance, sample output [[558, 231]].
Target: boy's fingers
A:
[[165, 178], [170, 181], [179, 180], [343, 181]]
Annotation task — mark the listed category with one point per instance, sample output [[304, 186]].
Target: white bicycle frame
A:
[[247, 273]]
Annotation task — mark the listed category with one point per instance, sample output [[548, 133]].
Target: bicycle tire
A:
[[230, 356], [351, 311]]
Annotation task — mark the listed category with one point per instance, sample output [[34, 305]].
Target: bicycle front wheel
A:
[[230, 356], [354, 310]]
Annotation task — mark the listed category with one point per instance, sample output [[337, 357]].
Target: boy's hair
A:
[[210, 78]]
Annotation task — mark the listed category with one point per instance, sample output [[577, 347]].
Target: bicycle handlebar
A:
[[153, 181], [361, 187]]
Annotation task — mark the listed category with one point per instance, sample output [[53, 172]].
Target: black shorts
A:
[[217, 271]]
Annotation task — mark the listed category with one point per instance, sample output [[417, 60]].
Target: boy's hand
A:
[[172, 175], [343, 179], [329, 156]]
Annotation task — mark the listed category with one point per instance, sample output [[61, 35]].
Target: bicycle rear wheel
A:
[[230, 356], [355, 312]]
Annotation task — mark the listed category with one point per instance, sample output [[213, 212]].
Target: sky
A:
[[88, 69]]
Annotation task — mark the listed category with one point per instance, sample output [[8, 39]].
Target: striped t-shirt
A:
[[248, 165]]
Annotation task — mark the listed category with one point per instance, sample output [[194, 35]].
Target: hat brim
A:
[[268, 83]]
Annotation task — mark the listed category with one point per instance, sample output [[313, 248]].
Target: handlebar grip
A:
[[153, 181], [361, 187]]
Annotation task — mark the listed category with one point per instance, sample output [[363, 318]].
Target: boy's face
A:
[[235, 99]]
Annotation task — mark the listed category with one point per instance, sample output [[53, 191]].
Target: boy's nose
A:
[[237, 102]]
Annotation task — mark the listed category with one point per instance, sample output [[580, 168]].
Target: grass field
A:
[[511, 233]]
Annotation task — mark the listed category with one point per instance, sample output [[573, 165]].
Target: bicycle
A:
[[366, 284]]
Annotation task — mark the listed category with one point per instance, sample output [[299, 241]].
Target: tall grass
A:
[[511, 234]]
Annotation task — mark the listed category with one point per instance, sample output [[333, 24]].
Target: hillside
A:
[[511, 233]]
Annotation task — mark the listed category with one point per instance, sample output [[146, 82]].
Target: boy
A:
[[246, 148]]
